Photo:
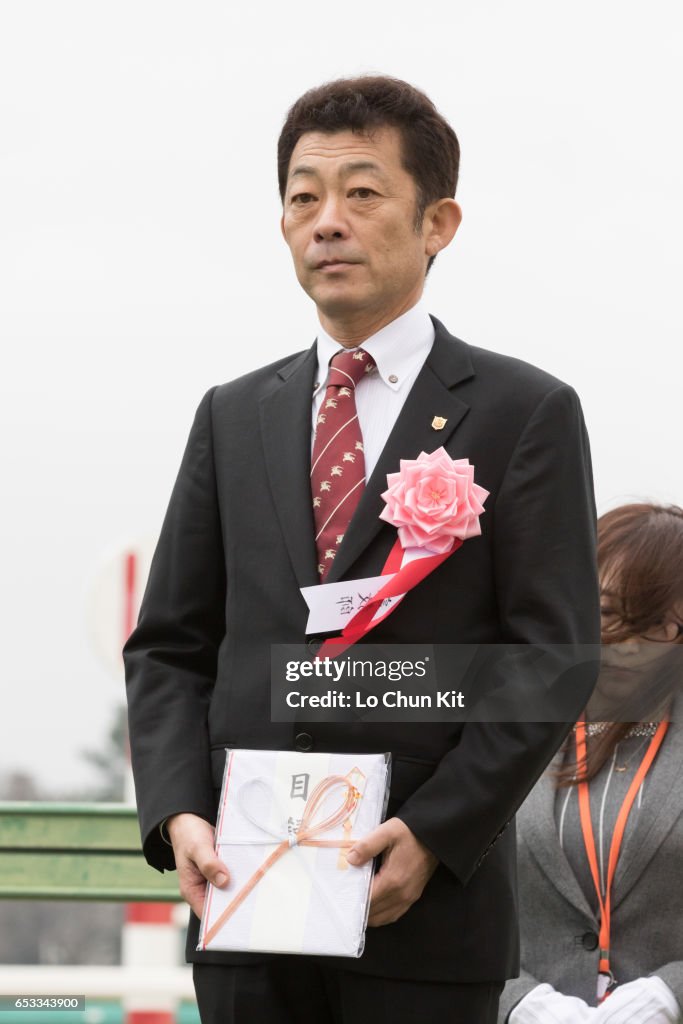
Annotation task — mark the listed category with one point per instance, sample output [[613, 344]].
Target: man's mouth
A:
[[333, 264]]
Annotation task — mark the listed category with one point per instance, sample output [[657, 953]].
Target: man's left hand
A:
[[407, 866]]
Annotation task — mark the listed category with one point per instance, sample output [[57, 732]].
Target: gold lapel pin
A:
[[439, 422]]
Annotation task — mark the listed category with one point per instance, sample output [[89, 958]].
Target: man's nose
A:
[[331, 223]]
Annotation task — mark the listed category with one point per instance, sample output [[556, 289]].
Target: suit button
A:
[[589, 941], [314, 644], [303, 741]]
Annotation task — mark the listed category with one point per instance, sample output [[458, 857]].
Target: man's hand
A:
[[195, 857], [407, 866]]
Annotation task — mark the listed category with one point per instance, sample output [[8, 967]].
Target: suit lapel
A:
[[286, 430], [541, 836], [662, 806], [448, 363], [285, 416]]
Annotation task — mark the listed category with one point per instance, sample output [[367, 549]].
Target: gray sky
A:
[[141, 262]]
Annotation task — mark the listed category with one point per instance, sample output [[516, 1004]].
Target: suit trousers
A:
[[299, 990]]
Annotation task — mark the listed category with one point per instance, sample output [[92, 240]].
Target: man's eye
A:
[[302, 199], [362, 193]]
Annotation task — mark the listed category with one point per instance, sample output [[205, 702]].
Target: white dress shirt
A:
[[399, 350]]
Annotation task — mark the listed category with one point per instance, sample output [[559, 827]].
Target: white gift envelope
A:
[[285, 822]]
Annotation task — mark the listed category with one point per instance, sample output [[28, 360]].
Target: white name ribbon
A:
[[331, 606]]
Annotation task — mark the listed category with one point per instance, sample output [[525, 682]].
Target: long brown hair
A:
[[640, 560]]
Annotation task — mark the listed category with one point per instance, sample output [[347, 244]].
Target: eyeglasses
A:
[[665, 632]]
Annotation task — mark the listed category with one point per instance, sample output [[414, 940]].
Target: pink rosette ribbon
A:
[[433, 500], [435, 505]]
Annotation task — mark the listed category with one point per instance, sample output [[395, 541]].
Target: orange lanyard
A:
[[606, 981]]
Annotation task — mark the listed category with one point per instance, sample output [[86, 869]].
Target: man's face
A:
[[349, 220]]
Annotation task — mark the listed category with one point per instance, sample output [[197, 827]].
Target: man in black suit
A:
[[368, 170]]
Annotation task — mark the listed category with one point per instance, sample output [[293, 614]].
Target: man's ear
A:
[[282, 227], [440, 222]]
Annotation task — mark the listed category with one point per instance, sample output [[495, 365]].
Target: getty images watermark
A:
[[378, 672], [468, 682]]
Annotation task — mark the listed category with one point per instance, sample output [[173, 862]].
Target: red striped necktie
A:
[[338, 462]]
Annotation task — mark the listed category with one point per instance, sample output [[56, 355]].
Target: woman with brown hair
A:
[[600, 837]]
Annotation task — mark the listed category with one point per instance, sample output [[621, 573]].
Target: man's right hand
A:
[[196, 859]]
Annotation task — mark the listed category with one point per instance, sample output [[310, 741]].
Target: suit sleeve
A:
[[547, 592], [672, 975], [171, 656], [514, 991]]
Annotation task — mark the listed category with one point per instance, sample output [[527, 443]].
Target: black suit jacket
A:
[[237, 544]]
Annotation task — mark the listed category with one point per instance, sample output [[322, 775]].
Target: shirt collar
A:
[[399, 349]]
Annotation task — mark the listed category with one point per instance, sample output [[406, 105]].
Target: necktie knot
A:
[[349, 366]]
